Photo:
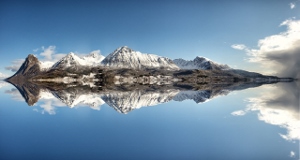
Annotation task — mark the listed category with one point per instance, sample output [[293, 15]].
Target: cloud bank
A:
[[279, 53]]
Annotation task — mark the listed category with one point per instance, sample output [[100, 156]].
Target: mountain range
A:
[[121, 58], [125, 57], [199, 63]]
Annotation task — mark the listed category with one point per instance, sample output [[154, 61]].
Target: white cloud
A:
[[35, 50], [47, 107], [292, 154], [279, 53], [238, 46], [238, 113], [48, 52], [292, 5]]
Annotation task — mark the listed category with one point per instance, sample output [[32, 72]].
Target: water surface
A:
[[255, 123]]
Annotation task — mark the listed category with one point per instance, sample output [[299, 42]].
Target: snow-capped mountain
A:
[[125, 57], [199, 63], [74, 61]]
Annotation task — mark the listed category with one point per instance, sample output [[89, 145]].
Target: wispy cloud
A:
[[48, 56], [279, 53], [15, 94], [292, 154], [48, 107], [48, 52], [238, 46], [292, 5], [35, 50], [238, 113], [15, 65]]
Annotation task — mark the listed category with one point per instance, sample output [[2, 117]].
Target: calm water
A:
[[256, 123]]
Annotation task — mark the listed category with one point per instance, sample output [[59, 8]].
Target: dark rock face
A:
[[28, 69]]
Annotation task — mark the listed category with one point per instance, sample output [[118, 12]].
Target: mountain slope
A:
[[125, 57], [75, 62], [199, 63], [29, 68]]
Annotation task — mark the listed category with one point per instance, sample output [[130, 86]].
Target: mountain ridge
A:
[[125, 57], [199, 63]]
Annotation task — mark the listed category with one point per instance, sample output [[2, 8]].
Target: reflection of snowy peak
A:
[[197, 96], [77, 97], [200, 96], [125, 102], [74, 61], [125, 57], [199, 63]]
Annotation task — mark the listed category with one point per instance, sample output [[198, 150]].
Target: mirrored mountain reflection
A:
[[123, 97], [127, 80]]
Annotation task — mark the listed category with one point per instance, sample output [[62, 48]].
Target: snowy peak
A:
[[123, 49], [73, 61], [125, 57], [199, 63], [67, 61], [94, 58]]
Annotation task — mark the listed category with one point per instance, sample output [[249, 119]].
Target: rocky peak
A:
[[124, 49], [29, 68]]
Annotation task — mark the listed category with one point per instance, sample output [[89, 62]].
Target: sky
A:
[[230, 32]]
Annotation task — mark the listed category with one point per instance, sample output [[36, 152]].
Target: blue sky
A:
[[175, 29]]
